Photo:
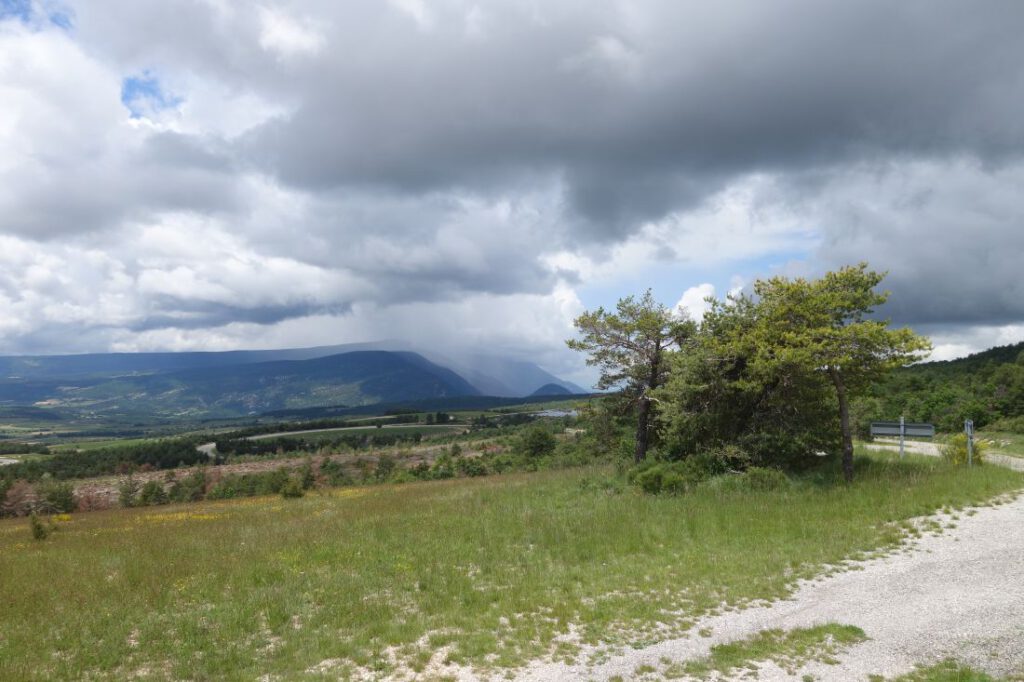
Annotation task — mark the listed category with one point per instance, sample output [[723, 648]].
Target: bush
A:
[[678, 477], [308, 477], [535, 442], [1011, 424], [191, 488], [501, 462], [659, 477], [385, 467], [128, 492], [954, 450], [471, 466], [443, 468], [335, 473], [761, 479], [57, 497], [152, 493], [39, 530], [292, 488]]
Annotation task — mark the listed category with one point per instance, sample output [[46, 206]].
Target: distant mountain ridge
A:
[[551, 389], [239, 383]]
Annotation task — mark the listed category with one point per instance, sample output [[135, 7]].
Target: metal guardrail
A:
[[905, 429]]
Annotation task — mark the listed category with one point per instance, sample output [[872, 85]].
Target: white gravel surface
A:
[[957, 595]]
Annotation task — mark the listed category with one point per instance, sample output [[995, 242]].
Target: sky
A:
[[473, 174]]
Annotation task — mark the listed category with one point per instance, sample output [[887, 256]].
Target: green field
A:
[[328, 435], [1010, 444], [493, 570]]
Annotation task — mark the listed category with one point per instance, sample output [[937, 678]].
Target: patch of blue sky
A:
[[143, 95], [16, 9], [36, 13], [668, 281], [61, 19]]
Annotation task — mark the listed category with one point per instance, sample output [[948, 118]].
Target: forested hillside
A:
[[987, 387]]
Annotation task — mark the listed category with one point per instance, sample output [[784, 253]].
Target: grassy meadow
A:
[[1004, 443], [488, 572]]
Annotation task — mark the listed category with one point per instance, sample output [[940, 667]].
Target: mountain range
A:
[[238, 383]]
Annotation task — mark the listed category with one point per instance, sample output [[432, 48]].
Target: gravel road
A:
[[959, 594], [932, 450]]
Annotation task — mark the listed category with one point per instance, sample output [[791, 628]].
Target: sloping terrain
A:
[[358, 378], [551, 389], [951, 595]]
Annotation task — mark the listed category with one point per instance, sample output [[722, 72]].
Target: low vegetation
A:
[[788, 650], [487, 572], [946, 671]]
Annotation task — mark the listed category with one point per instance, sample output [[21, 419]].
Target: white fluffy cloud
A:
[[694, 301]]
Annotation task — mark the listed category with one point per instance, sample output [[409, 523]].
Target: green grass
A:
[[789, 650], [1010, 444], [489, 572], [946, 671], [103, 443]]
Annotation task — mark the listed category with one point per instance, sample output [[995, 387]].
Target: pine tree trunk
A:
[[642, 426], [844, 423]]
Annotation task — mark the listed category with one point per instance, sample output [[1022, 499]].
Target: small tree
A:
[[535, 442], [823, 326], [629, 346]]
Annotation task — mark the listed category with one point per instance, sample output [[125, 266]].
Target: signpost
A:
[[903, 429], [969, 430], [903, 434]]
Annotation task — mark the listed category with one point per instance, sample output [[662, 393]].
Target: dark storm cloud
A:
[[378, 153], [646, 117], [950, 236], [193, 315]]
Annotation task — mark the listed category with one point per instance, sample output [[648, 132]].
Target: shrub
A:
[[128, 492], [702, 466], [152, 493], [535, 442], [385, 467], [292, 488], [954, 450], [444, 467], [677, 477], [335, 473], [471, 466], [659, 477], [1011, 424], [501, 462], [57, 497], [191, 488], [762, 479], [40, 531], [308, 476]]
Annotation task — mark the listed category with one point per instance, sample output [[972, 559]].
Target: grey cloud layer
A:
[[358, 153]]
